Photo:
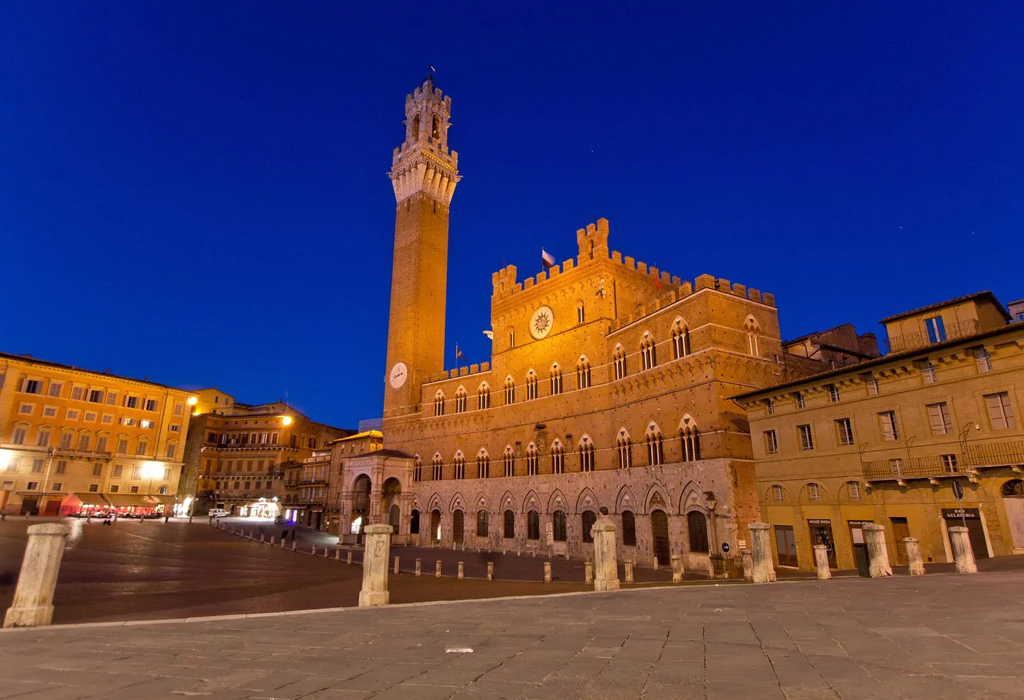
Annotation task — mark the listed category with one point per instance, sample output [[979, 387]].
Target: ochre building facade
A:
[[608, 387]]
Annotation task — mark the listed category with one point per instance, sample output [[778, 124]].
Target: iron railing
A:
[[996, 454], [913, 468]]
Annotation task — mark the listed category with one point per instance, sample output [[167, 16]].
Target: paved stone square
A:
[[939, 636]]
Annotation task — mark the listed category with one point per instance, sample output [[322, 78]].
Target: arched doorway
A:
[[659, 536], [360, 505], [389, 506], [1013, 504], [458, 526], [414, 522], [394, 517], [435, 526]]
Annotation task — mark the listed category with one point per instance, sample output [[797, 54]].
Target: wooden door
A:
[[900, 529], [659, 534], [785, 544]]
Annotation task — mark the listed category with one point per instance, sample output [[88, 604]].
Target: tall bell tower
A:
[[424, 174]]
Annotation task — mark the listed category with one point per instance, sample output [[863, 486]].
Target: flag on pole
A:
[[458, 353], [547, 259]]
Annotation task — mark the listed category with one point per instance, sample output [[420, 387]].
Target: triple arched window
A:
[[689, 437], [680, 339], [436, 468], [648, 349], [460, 400], [556, 379], [583, 372], [557, 458], [459, 466], [510, 390], [619, 362], [586, 454], [508, 461], [531, 385], [483, 464], [532, 460], [439, 403], [483, 396], [624, 449], [652, 438]]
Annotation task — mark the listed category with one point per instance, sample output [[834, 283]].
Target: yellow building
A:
[[236, 453], [884, 441], [73, 439], [608, 386]]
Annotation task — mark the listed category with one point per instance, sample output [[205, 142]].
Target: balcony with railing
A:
[[1008, 453], [919, 339], [900, 470]]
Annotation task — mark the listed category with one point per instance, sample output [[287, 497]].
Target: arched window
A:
[[459, 466], [510, 390], [533, 525], [510, 525], [653, 440], [587, 520], [680, 339], [483, 396], [628, 528], [439, 403], [689, 436], [557, 458], [414, 522], [753, 329], [483, 464], [624, 449], [417, 468], [648, 358], [531, 385], [619, 362], [697, 529], [583, 372], [581, 315], [558, 526], [460, 400], [436, 468], [435, 130], [511, 338], [532, 460], [586, 454], [508, 460], [556, 379], [481, 523], [1014, 488]]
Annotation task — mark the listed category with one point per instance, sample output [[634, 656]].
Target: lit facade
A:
[[73, 439], [882, 442]]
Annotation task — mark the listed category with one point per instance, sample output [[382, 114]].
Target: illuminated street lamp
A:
[[286, 420]]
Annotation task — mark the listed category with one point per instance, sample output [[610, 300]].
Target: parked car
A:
[[217, 513]]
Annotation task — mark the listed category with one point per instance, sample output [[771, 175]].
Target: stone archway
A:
[[435, 526], [360, 506], [390, 506], [661, 545]]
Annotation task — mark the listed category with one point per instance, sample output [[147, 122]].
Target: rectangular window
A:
[[96, 396], [938, 415], [949, 464], [127, 421], [145, 424], [37, 466], [1000, 410], [151, 404], [83, 443], [122, 446], [136, 472], [43, 440], [57, 485], [771, 442], [26, 408], [101, 444], [77, 393], [118, 470], [72, 414], [50, 411], [33, 486], [806, 438], [814, 491], [844, 431], [887, 422], [777, 493], [114, 488], [936, 329], [140, 449], [928, 372], [833, 393], [167, 473], [131, 401], [799, 400], [134, 489], [89, 417], [111, 398], [65, 441], [32, 386], [983, 359], [872, 383], [107, 419], [769, 406], [97, 469], [94, 488], [55, 388], [178, 409], [62, 466], [19, 436], [171, 447]]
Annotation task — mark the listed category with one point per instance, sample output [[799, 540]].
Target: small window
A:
[[853, 489], [32, 486], [32, 386], [814, 491], [580, 314], [887, 421], [777, 493], [62, 466], [936, 329], [949, 464], [114, 488], [771, 442], [587, 520], [151, 404], [844, 431], [628, 528], [509, 525], [928, 372], [983, 359], [799, 400], [806, 437], [94, 488], [96, 396], [872, 383], [769, 406], [938, 415], [57, 485], [533, 525], [1000, 411], [833, 393], [559, 526]]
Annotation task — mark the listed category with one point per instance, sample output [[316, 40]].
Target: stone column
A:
[[437, 568], [462, 571], [748, 564], [878, 555], [629, 571], [677, 568], [914, 561], [490, 571], [588, 572], [763, 571], [821, 561], [348, 557], [419, 569], [547, 572], [605, 555], [963, 554], [33, 598], [375, 566], [396, 566]]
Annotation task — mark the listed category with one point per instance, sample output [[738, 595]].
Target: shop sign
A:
[[958, 513], [819, 521]]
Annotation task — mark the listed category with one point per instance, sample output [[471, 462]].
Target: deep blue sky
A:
[[196, 192]]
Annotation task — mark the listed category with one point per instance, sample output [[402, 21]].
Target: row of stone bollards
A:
[[758, 566]]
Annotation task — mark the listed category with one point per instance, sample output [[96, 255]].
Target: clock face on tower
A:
[[399, 373], [541, 322]]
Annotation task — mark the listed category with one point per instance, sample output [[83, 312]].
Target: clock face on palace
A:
[[399, 373], [541, 322]]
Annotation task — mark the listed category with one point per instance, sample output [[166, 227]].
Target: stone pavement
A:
[[938, 636]]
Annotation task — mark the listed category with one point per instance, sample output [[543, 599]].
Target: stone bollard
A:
[[547, 572], [326, 553], [748, 564], [348, 557], [588, 572], [282, 543], [312, 550], [462, 571], [33, 597], [655, 564], [396, 566], [914, 561], [677, 569], [419, 568], [437, 568], [294, 545], [337, 554], [762, 571], [263, 537], [605, 557], [375, 566], [963, 553], [273, 540], [629, 571], [878, 555], [490, 571], [821, 561]]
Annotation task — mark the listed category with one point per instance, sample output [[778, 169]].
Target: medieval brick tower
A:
[[424, 174]]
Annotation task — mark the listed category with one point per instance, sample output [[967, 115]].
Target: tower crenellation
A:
[[424, 162]]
